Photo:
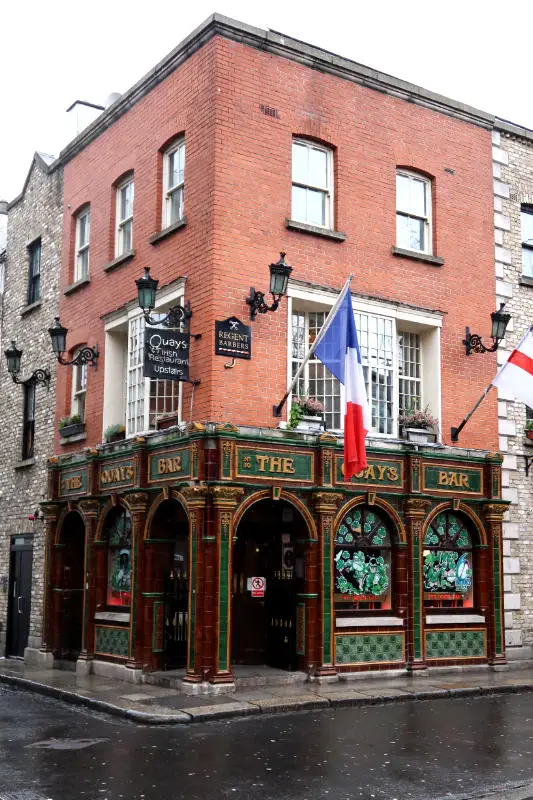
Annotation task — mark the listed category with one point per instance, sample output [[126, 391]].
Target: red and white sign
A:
[[258, 586]]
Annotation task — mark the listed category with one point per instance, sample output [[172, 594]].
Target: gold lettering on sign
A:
[[116, 475], [458, 479], [275, 464], [384, 472], [72, 483], [166, 466]]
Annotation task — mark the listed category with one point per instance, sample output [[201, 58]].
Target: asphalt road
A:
[[450, 748]]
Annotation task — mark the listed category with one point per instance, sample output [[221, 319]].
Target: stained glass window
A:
[[118, 531], [448, 567], [362, 561]]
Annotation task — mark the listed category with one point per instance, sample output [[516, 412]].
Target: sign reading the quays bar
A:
[[446, 478], [267, 464], [72, 482], [119, 473], [377, 473], [170, 464]]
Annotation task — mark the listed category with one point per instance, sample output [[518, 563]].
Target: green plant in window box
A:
[[115, 433], [307, 413], [529, 428], [71, 426], [418, 425]]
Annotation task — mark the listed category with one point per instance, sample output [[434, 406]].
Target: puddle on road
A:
[[64, 744]]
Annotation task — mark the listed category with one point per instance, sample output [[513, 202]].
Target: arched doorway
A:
[[268, 546], [68, 588], [169, 534]]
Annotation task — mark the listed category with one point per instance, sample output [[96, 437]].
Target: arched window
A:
[[448, 569], [118, 534], [362, 561]]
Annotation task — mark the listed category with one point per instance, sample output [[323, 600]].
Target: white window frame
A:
[[427, 219], [170, 190], [117, 362], [82, 248], [427, 324], [526, 244], [123, 222], [326, 191], [78, 371]]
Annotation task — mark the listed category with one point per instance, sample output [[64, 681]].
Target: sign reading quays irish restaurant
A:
[[233, 338], [166, 354]]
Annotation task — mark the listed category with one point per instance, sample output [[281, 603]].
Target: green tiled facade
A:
[[223, 597], [327, 584], [455, 644], [112, 641], [369, 648]]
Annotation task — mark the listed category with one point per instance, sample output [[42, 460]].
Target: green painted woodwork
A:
[[170, 465], [120, 473], [300, 629], [327, 613], [417, 600], [292, 465], [72, 482], [112, 641], [457, 480], [158, 611], [455, 644], [369, 648], [223, 598], [226, 459], [378, 472], [498, 644], [191, 633]]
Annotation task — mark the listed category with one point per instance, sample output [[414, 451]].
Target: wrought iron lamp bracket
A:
[[256, 301], [474, 344], [86, 355], [177, 317], [39, 376]]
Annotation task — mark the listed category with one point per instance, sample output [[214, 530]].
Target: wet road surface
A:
[[450, 748]]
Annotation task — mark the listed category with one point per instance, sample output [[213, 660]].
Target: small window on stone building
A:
[[34, 278], [28, 427], [526, 229], [448, 567]]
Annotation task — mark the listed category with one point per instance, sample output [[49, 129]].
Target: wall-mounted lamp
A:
[[85, 355], [13, 356], [279, 279], [176, 317], [500, 320]]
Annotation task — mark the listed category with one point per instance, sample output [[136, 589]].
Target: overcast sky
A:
[[55, 52]]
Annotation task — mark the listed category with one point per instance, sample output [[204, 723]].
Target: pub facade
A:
[[216, 546]]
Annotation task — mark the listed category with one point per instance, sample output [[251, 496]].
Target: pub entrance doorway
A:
[[268, 572], [68, 586], [18, 615]]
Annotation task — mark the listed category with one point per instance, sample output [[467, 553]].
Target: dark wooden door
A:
[[19, 596], [177, 607]]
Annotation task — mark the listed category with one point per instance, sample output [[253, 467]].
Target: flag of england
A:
[[516, 375]]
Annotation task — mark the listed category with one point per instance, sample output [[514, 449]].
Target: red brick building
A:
[[239, 145]]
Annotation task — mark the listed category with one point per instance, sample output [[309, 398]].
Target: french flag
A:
[[339, 351], [516, 375]]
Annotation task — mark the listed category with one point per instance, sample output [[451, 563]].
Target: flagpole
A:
[[276, 410]]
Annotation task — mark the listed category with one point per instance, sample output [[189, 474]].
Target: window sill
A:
[[73, 287], [434, 261], [112, 616], [454, 619], [303, 227], [27, 462], [176, 226], [31, 307], [119, 261], [525, 280], [369, 622], [78, 437]]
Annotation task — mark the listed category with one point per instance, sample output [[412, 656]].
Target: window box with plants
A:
[[419, 426], [168, 421], [71, 426], [115, 433], [529, 430], [306, 415]]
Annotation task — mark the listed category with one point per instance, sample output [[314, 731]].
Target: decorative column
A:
[[196, 497], [225, 499], [493, 513], [89, 510], [326, 505], [138, 503], [51, 514], [415, 510]]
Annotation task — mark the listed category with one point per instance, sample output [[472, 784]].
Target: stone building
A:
[[513, 220], [30, 302]]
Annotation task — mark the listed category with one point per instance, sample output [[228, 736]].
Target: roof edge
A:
[[45, 167]]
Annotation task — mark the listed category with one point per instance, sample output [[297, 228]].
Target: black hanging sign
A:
[[166, 354], [233, 338]]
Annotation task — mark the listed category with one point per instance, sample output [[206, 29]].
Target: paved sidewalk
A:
[[157, 705]]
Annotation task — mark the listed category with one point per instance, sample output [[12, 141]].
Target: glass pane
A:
[[418, 198], [300, 167], [402, 231], [448, 579], [126, 201], [526, 219], [402, 193], [316, 208], [299, 204], [126, 236], [527, 262], [416, 238], [175, 206], [318, 168]]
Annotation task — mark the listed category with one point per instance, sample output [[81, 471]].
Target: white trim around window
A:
[[173, 184], [414, 229], [312, 184], [124, 216], [79, 388], [83, 235]]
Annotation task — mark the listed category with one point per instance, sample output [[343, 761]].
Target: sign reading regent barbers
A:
[[233, 338], [166, 354]]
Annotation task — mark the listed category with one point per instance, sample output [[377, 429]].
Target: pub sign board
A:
[[166, 354], [233, 338]]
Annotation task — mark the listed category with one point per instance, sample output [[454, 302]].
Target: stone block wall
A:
[[37, 212], [513, 186]]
